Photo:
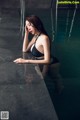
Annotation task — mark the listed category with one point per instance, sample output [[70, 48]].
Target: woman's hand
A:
[[20, 60], [26, 31]]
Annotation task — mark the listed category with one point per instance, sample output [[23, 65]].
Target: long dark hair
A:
[[37, 23]]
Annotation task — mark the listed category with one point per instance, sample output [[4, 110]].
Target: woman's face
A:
[[30, 27]]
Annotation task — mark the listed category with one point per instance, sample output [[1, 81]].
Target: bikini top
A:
[[34, 50], [37, 53]]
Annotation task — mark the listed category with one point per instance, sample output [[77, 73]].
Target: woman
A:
[[40, 43], [39, 46]]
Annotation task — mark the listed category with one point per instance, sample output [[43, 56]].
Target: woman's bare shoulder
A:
[[44, 40], [44, 37]]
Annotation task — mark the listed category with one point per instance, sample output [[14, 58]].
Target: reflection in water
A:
[[30, 77], [54, 74], [48, 72]]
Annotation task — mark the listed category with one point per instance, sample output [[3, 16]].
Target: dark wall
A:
[[28, 3], [10, 3]]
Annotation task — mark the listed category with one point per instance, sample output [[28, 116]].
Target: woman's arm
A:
[[26, 41], [30, 44], [46, 59], [26, 44], [21, 60]]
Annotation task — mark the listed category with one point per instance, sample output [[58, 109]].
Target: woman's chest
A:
[[38, 45]]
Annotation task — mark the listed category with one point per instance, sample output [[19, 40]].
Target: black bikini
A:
[[34, 50], [37, 53]]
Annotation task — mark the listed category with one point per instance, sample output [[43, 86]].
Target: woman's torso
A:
[[38, 51], [37, 48]]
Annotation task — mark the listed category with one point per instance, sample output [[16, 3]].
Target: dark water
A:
[[67, 50]]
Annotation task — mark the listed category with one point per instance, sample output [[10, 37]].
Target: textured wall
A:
[[9, 3], [38, 4], [28, 3]]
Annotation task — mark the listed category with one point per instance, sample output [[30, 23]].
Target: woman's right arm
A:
[[25, 41], [26, 44]]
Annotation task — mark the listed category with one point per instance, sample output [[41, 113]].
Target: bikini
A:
[[36, 53]]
